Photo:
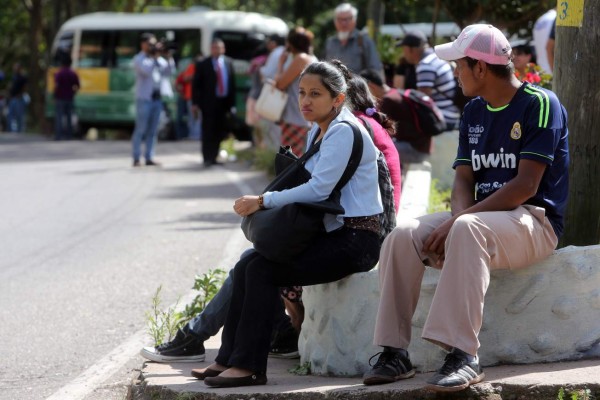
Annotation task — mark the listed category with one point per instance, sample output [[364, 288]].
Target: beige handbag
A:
[[271, 102]]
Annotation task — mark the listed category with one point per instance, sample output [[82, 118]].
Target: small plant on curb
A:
[[576, 394], [161, 323], [302, 369], [207, 285]]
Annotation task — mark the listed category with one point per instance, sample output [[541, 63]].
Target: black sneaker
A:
[[456, 374], [390, 367], [185, 347], [285, 344]]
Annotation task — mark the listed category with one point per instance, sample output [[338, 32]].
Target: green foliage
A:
[[512, 15], [439, 199], [388, 52], [162, 324], [302, 369], [576, 394], [207, 285]]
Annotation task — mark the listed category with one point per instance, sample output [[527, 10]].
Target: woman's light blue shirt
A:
[[360, 197]]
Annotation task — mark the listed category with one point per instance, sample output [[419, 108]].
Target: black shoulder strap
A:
[[368, 127], [355, 156]]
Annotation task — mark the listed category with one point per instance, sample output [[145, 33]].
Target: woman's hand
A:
[[246, 205]]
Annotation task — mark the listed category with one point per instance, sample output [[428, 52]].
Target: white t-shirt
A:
[[541, 32]]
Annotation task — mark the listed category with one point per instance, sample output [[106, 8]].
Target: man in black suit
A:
[[213, 93]]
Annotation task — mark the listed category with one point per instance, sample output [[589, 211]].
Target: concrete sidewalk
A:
[[515, 382]]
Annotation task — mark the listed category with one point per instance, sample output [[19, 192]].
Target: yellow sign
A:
[[569, 13], [92, 80]]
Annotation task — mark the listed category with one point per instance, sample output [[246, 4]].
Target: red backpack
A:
[[427, 117]]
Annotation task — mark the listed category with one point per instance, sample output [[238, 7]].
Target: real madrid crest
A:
[[515, 132]]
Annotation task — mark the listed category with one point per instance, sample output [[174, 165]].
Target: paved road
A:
[[85, 241]]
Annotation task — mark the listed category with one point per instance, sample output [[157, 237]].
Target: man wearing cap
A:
[[508, 201], [435, 77], [355, 49]]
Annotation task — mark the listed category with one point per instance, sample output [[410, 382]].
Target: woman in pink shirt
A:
[[364, 107]]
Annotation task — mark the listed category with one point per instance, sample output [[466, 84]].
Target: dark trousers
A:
[[246, 335], [213, 131]]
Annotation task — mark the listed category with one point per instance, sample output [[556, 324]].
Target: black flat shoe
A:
[[206, 373], [250, 380]]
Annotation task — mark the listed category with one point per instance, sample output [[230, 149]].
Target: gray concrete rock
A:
[[545, 313]]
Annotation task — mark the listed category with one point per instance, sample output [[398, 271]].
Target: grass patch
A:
[[302, 369], [439, 199]]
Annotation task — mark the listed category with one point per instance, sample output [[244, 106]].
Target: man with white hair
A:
[[507, 206], [355, 49]]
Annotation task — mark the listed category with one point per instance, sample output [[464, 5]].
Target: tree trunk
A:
[[577, 83], [36, 79]]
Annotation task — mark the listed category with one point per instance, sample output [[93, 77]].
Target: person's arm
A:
[[288, 76], [463, 187], [427, 90], [76, 84], [197, 88], [143, 65], [335, 152], [232, 87], [510, 196]]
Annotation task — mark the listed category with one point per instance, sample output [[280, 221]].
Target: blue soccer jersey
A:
[[532, 126]]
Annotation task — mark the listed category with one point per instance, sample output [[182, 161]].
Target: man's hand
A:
[[434, 246], [246, 205]]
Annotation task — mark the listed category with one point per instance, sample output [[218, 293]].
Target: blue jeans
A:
[[16, 114], [212, 318], [181, 129], [63, 111], [146, 127], [194, 124]]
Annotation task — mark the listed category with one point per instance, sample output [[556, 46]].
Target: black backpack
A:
[[387, 219], [427, 117]]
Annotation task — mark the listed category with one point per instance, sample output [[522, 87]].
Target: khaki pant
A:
[[476, 244]]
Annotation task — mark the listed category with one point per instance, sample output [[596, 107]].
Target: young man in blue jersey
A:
[[508, 201]]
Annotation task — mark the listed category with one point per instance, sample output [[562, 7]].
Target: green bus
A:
[[103, 44]]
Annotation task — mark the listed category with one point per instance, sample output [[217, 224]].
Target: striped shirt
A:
[[437, 74]]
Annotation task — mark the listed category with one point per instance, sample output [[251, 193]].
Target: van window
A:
[[107, 49], [240, 45], [95, 49]]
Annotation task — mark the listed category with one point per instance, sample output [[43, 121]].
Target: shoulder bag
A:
[[281, 233], [271, 102]]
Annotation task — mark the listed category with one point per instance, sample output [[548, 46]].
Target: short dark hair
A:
[[277, 38], [300, 39], [146, 36], [501, 71], [373, 76]]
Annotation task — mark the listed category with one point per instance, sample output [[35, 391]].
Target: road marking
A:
[[108, 365]]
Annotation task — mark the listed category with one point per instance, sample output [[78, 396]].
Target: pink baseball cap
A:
[[480, 41]]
